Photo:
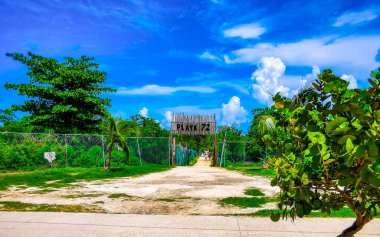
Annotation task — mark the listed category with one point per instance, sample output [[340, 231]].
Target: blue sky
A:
[[211, 56]]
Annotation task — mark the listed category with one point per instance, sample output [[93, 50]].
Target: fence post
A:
[[169, 154], [173, 153], [138, 148], [216, 151], [66, 149], [104, 159]]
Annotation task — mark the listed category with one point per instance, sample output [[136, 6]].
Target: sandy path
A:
[[191, 190]]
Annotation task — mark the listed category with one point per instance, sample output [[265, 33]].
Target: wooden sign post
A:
[[195, 125], [216, 151]]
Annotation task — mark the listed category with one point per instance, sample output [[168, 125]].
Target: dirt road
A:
[[191, 190]]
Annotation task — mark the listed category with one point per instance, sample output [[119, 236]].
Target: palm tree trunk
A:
[[108, 161], [356, 226]]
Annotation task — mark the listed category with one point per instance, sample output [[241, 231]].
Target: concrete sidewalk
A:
[[33, 224]]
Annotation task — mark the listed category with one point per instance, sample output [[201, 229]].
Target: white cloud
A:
[[351, 79], [165, 123], [144, 112], [169, 115], [245, 31], [208, 56], [163, 90], [266, 77], [354, 18], [355, 55], [314, 74], [233, 112]]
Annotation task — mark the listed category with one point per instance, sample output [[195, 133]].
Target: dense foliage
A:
[[148, 127], [330, 156], [262, 124], [62, 97]]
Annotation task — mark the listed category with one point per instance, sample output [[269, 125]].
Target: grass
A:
[[245, 202], [193, 161], [254, 192], [118, 195], [89, 195], [21, 206], [166, 199], [252, 169], [65, 176], [344, 212], [42, 191]]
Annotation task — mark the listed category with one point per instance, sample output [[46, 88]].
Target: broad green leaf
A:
[[350, 161], [316, 137], [275, 217], [343, 139], [377, 114], [357, 124], [374, 180], [332, 125], [349, 145], [326, 156], [359, 151], [372, 149], [328, 161], [304, 179]]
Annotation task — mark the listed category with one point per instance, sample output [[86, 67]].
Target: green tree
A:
[[330, 156], [231, 133], [6, 117], [149, 127], [263, 122], [116, 132], [63, 97]]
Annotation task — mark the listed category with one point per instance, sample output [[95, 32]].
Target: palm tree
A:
[[300, 98], [116, 132]]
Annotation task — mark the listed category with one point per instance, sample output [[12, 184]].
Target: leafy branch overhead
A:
[[63, 96], [330, 157]]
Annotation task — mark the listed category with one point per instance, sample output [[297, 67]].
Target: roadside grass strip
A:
[[65, 176], [257, 200], [254, 192], [21, 206], [344, 212], [252, 169], [89, 195], [245, 201], [119, 195]]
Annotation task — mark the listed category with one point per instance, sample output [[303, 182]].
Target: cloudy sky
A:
[[204, 56]]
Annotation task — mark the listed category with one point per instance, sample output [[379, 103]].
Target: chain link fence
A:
[[235, 152], [184, 156], [27, 151]]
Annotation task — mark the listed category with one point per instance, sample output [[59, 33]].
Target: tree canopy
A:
[[64, 96]]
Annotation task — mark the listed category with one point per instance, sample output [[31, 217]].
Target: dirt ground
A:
[[191, 190]]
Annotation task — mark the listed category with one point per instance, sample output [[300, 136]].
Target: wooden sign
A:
[[193, 124]]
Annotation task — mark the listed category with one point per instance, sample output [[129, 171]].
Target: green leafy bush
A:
[[330, 155]]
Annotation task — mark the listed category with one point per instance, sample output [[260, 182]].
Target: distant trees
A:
[[6, 117], [149, 127], [62, 97]]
